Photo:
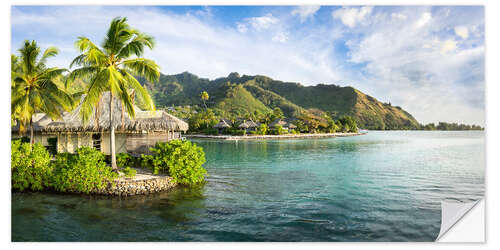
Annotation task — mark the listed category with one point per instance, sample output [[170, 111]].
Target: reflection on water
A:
[[384, 186]]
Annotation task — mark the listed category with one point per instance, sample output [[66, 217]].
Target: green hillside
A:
[[239, 101], [237, 95]]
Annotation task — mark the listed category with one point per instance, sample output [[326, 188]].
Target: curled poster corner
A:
[[453, 212]]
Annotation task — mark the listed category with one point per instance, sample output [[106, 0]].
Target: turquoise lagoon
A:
[[383, 186]]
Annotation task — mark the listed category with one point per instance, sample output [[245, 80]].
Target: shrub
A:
[[182, 159], [262, 130], [238, 132], [83, 172], [129, 172], [30, 166], [147, 162], [279, 130], [253, 132], [124, 160], [211, 131]]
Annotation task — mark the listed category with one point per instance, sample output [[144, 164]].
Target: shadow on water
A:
[[34, 214]]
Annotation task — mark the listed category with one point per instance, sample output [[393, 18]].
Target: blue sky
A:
[[428, 60]]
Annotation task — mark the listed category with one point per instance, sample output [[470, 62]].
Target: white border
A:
[[492, 128]]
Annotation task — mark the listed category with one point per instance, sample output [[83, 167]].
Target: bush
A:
[[83, 172], [211, 131], [124, 160], [129, 172], [238, 132], [182, 159], [30, 166], [147, 162], [262, 130]]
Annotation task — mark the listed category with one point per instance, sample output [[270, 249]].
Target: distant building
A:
[[248, 126], [223, 124], [285, 125]]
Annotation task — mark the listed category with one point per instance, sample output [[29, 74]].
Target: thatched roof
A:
[[277, 122], [222, 124], [291, 125], [144, 120], [248, 124]]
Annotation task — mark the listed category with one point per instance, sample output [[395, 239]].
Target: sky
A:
[[427, 59]]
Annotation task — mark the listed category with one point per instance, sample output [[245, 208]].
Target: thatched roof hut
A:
[[222, 124], [291, 125], [248, 124], [277, 122], [144, 120]]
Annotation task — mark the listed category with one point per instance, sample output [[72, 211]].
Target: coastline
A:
[[270, 137]]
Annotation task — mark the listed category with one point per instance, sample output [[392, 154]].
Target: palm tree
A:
[[113, 67], [33, 86], [204, 97]]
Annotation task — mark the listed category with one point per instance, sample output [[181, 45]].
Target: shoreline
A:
[[270, 137]]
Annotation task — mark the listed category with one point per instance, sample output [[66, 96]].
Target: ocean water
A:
[[383, 186]]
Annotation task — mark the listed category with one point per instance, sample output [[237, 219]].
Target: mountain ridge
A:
[[235, 95]]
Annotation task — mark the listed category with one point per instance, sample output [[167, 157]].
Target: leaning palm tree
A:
[[33, 86], [113, 67]]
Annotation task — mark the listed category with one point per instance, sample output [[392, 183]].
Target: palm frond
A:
[[96, 87], [136, 45], [140, 91], [118, 34], [143, 67], [29, 54], [126, 101], [49, 52]]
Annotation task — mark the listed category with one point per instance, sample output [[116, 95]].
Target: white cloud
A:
[[424, 19], [305, 11], [448, 45], [393, 61], [399, 16], [187, 42], [262, 22], [241, 27], [352, 16], [280, 37], [406, 66], [462, 32]]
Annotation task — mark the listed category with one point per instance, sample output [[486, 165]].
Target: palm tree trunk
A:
[[123, 118], [112, 135], [32, 137], [97, 114]]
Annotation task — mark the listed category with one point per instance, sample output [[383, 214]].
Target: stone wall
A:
[[129, 187]]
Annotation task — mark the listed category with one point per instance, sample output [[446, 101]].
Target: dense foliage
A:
[[30, 166], [34, 86], [124, 160], [450, 126], [246, 95], [113, 66], [182, 160], [129, 172], [82, 172]]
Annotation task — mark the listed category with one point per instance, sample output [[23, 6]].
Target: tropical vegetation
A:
[[113, 68], [182, 160], [34, 88], [30, 166], [83, 172]]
